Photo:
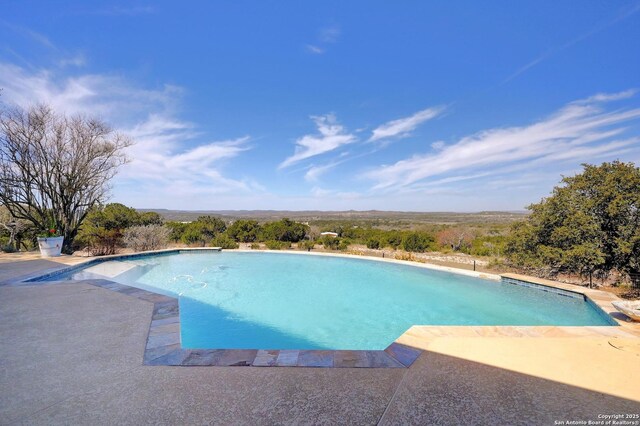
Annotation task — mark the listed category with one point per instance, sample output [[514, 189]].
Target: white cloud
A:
[[327, 35], [314, 172], [331, 136], [402, 127], [75, 61], [608, 97], [170, 156], [122, 11], [315, 49], [438, 145], [578, 131]]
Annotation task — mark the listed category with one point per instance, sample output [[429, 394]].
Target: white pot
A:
[[50, 247]]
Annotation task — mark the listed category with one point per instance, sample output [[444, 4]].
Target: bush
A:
[[146, 237], [284, 230], [343, 245], [457, 239], [8, 248], [177, 229], [393, 239], [102, 230], [244, 231], [202, 231], [416, 242], [373, 243], [307, 245], [255, 246], [330, 243], [100, 241], [151, 218], [224, 241], [277, 245], [193, 236]]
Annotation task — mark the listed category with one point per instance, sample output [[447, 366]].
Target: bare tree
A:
[[147, 237], [15, 227], [54, 169], [456, 238]]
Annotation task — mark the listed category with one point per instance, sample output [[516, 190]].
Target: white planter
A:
[[50, 247]]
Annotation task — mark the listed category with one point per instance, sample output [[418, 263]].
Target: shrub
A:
[[405, 256], [343, 245], [177, 229], [102, 230], [151, 218], [307, 245], [193, 236], [146, 237], [373, 243], [255, 246], [284, 230], [245, 231], [330, 243], [100, 241], [224, 241], [457, 239], [202, 231], [416, 242], [393, 239], [277, 245], [8, 248]]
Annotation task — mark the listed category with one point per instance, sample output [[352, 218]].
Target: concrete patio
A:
[[73, 354]]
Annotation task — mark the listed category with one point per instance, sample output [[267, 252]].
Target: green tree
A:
[[373, 243], [284, 230], [224, 241], [150, 218], [392, 239], [177, 229], [103, 228], [589, 224], [245, 231], [417, 242], [203, 230], [330, 243]]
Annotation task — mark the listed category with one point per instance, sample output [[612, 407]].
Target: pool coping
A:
[[163, 345]]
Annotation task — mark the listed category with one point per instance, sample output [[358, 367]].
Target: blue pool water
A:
[[291, 301]]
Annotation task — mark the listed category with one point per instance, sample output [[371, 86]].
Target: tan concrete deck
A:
[[72, 354]]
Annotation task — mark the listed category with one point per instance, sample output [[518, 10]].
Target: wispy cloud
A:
[[326, 36], [329, 34], [123, 11], [579, 131], [403, 127], [170, 155], [331, 136], [622, 15], [78, 60], [314, 172], [315, 49], [35, 36]]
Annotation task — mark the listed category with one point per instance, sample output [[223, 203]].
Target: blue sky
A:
[[422, 106]]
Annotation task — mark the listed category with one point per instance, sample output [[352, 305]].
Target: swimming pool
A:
[[239, 300]]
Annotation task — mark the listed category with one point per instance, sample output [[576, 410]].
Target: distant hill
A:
[[352, 215]]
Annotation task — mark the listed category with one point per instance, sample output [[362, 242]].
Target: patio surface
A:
[[73, 354]]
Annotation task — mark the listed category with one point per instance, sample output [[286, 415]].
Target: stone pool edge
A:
[[163, 346]]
